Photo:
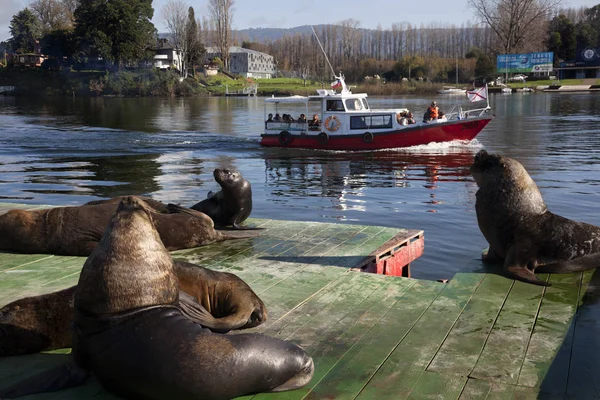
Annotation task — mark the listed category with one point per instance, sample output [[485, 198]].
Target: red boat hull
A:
[[411, 136]]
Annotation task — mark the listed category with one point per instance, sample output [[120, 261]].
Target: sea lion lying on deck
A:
[[76, 231], [520, 230], [44, 322], [230, 206], [130, 334]]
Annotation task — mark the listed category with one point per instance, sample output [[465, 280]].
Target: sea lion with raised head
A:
[[520, 230], [76, 231], [232, 204], [221, 301], [131, 335]]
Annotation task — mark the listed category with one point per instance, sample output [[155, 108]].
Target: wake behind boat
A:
[[344, 121]]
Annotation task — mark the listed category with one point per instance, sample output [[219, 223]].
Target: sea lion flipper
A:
[[194, 311], [517, 265], [64, 376], [236, 222], [489, 256]]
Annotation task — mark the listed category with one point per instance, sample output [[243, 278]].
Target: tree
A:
[[119, 31], [514, 21], [195, 47], [24, 30], [222, 17], [70, 7], [562, 39], [53, 14], [174, 12]]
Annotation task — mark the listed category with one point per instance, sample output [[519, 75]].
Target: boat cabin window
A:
[[353, 105], [335, 105], [365, 104], [371, 122]]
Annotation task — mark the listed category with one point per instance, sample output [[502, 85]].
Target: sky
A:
[[289, 14]]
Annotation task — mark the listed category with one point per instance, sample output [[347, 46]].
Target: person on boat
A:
[[432, 112], [302, 118], [410, 119], [314, 121], [270, 118], [277, 117]]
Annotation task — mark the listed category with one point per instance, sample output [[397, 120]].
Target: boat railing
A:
[[286, 126], [457, 112]]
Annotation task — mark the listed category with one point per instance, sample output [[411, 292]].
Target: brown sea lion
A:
[[131, 335], [76, 231], [43, 323], [232, 204], [520, 230]]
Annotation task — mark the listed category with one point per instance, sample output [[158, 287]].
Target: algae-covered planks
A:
[[461, 349], [505, 349], [402, 369], [558, 307]]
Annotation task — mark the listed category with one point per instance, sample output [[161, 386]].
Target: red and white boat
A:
[[348, 123]]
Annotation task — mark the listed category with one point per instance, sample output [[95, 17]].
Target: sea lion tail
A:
[[61, 377], [584, 263], [524, 274]]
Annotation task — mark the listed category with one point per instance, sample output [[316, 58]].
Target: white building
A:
[[245, 62], [166, 56]]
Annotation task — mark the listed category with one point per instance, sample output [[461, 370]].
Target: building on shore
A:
[[245, 62]]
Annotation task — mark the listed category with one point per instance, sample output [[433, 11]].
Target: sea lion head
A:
[[130, 268], [506, 182], [228, 178]]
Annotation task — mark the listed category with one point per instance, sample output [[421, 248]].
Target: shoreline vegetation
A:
[[155, 83]]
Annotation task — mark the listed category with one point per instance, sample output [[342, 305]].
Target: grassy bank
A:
[[151, 82]]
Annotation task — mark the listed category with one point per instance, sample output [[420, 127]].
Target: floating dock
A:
[[480, 336]]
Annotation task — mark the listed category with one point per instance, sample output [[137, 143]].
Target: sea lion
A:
[[43, 323], [76, 231], [232, 204], [130, 334], [521, 231]]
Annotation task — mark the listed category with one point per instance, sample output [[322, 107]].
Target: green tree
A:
[[195, 48], [562, 39], [58, 44], [24, 30], [485, 64], [119, 31]]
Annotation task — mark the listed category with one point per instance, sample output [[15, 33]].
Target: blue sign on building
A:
[[525, 63]]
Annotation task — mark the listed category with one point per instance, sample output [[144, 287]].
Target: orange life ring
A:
[[332, 123]]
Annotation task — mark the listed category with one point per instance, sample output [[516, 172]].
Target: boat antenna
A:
[[323, 50], [340, 78]]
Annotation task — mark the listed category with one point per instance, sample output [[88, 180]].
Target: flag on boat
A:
[[336, 84], [479, 94]]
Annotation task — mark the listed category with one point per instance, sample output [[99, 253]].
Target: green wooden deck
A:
[[480, 336]]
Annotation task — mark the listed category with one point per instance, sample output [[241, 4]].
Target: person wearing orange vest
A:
[[431, 113]]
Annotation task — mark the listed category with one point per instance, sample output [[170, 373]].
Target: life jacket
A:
[[432, 112]]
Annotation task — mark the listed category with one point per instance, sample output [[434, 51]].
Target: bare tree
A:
[[70, 6], [175, 13], [53, 14], [513, 21], [222, 17]]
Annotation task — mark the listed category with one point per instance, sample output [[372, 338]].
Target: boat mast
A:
[[340, 77]]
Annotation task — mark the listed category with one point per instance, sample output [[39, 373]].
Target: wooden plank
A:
[[584, 370], [416, 347], [12, 260], [354, 332], [432, 385], [505, 349], [552, 324], [466, 340]]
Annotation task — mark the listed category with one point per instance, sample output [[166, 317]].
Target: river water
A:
[[70, 151]]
